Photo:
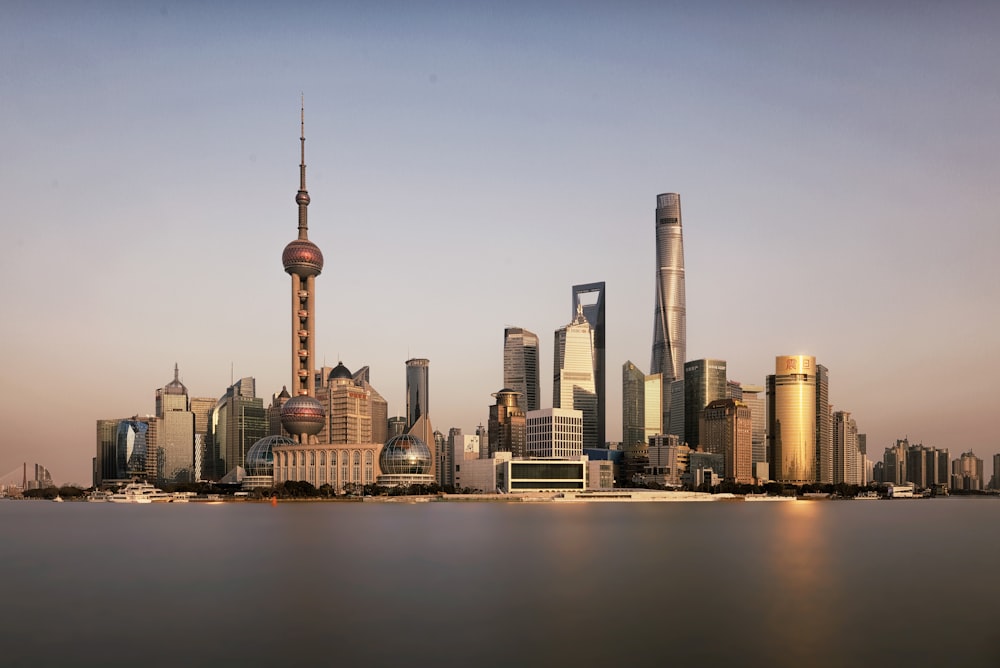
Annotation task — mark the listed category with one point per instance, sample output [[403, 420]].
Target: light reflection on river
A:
[[490, 584]]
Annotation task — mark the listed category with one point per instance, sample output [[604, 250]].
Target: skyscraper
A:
[[238, 421], [670, 314], [417, 389], [824, 428], [176, 432], [110, 465], [348, 409], [507, 424], [302, 416], [520, 365], [791, 419], [704, 382], [727, 430], [379, 406], [633, 405], [753, 396], [642, 399], [593, 311], [967, 472], [418, 419], [844, 446], [573, 384], [204, 461]]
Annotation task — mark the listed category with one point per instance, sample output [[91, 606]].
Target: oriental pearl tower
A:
[[302, 416]]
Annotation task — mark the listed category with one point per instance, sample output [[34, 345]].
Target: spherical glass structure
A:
[[405, 455], [260, 456]]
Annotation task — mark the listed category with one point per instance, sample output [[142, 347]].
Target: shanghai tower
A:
[[670, 315]]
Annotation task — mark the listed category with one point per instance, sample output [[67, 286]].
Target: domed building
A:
[[260, 461], [405, 460]]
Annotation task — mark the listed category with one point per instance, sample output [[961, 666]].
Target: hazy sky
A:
[[838, 165]]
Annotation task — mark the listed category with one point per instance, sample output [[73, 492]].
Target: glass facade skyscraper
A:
[[791, 419], [642, 398], [593, 311], [417, 388], [753, 396], [633, 405], [704, 382], [237, 422], [670, 314], [520, 365]]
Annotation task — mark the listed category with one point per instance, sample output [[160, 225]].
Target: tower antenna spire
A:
[[302, 197]]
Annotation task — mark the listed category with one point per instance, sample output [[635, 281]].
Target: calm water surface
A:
[[902, 583]]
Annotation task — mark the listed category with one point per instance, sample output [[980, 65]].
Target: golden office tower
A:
[[791, 417]]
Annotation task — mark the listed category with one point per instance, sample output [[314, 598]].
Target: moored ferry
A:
[[139, 492]]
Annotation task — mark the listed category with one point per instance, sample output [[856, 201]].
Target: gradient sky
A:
[[838, 165]]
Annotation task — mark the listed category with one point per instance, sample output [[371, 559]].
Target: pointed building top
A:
[[301, 256], [302, 197], [175, 386]]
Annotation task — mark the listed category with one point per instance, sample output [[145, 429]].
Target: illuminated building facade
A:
[[727, 430], [791, 419], [573, 384], [507, 424]]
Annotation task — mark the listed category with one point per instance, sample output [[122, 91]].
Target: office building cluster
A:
[[685, 423]]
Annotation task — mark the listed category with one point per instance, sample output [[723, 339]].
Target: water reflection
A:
[[786, 584]]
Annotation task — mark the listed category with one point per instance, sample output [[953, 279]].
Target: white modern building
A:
[[464, 449], [512, 475], [555, 432]]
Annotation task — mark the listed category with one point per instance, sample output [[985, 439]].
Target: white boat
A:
[[58, 499], [139, 492]]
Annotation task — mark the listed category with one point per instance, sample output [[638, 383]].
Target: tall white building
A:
[[573, 384], [653, 398], [753, 396], [555, 432], [848, 462]]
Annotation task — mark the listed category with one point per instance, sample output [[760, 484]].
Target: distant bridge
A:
[[26, 473]]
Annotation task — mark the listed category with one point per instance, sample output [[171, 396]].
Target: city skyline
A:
[[149, 157]]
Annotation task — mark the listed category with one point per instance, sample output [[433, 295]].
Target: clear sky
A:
[[838, 164]]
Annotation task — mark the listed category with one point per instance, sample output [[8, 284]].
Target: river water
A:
[[805, 583]]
